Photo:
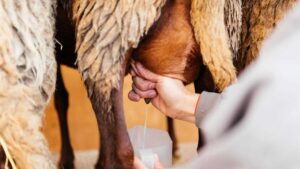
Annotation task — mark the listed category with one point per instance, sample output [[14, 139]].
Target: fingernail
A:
[[136, 97]]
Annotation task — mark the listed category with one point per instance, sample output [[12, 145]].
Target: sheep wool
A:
[[233, 23], [260, 17], [27, 78], [216, 26], [105, 30]]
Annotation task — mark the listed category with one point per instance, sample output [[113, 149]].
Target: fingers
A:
[[133, 96], [142, 87], [133, 68], [136, 95], [132, 73], [144, 94], [142, 84]]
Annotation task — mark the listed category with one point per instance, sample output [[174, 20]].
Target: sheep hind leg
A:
[[115, 148], [171, 131], [61, 101], [201, 85]]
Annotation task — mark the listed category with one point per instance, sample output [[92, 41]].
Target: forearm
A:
[[194, 107], [186, 108]]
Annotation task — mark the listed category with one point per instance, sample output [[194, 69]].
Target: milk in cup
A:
[[147, 142]]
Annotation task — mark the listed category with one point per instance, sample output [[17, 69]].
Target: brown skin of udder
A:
[[170, 49]]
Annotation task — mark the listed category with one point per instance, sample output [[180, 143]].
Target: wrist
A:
[[186, 108]]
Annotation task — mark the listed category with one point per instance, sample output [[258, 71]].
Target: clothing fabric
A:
[[205, 104], [256, 125]]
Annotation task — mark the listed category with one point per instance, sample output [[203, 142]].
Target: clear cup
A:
[[147, 143]]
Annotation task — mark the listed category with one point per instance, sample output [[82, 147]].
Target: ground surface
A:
[[87, 159]]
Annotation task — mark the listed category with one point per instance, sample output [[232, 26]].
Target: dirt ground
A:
[[82, 122]]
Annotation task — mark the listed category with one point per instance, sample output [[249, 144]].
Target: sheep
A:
[[206, 36], [145, 9], [27, 73], [65, 55]]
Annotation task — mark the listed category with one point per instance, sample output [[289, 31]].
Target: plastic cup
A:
[[147, 144]]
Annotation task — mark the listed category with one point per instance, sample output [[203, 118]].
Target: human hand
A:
[[168, 95], [138, 164]]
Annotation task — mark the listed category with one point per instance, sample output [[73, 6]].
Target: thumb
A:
[[146, 74]]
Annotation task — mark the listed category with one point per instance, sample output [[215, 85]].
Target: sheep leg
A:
[[2, 158], [61, 101], [171, 131], [115, 151], [115, 148]]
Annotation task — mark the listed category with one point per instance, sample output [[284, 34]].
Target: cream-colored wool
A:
[[208, 20], [27, 78], [105, 30], [233, 23]]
